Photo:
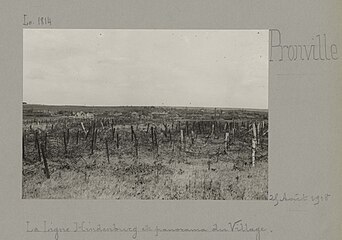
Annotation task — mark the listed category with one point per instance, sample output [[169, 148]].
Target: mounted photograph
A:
[[145, 114]]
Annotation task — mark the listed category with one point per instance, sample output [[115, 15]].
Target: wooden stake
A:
[[82, 125], [132, 133], [212, 129], [107, 149], [117, 140], [77, 137], [258, 133], [86, 136], [192, 137], [152, 136], [253, 151], [92, 142], [45, 142], [182, 137], [47, 172], [226, 142], [225, 126], [95, 138], [68, 135], [254, 142], [254, 131], [165, 130], [36, 143]]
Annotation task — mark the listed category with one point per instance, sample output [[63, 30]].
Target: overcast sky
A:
[[206, 68]]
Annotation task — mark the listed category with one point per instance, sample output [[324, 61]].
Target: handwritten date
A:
[[285, 197], [40, 21]]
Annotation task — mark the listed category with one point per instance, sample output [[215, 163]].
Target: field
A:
[[128, 152]]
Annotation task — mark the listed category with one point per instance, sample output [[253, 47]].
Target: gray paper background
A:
[[304, 112]]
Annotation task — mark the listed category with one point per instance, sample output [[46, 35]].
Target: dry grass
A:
[[167, 177], [197, 168]]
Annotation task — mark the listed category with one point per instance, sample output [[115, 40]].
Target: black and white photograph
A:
[[145, 114]]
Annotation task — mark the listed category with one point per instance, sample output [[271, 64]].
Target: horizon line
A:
[[167, 106]]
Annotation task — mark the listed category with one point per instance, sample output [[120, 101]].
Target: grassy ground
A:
[[168, 167], [164, 176]]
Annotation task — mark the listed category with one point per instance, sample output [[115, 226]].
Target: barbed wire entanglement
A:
[[120, 148]]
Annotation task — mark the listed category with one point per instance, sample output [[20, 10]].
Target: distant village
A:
[[136, 113], [91, 115]]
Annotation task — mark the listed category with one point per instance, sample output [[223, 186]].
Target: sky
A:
[[107, 67]]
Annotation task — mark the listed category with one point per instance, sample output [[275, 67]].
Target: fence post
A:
[[152, 136], [254, 141], [45, 141], [258, 133], [82, 125], [117, 140], [36, 139], [165, 130], [77, 137], [254, 131], [95, 138], [192, 137], [132, 133], [253, 151], [212, 129], [226, 142], [92, 141], [68, 135], [87, 134], [107, 150], [47, 173], [182, 138]]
